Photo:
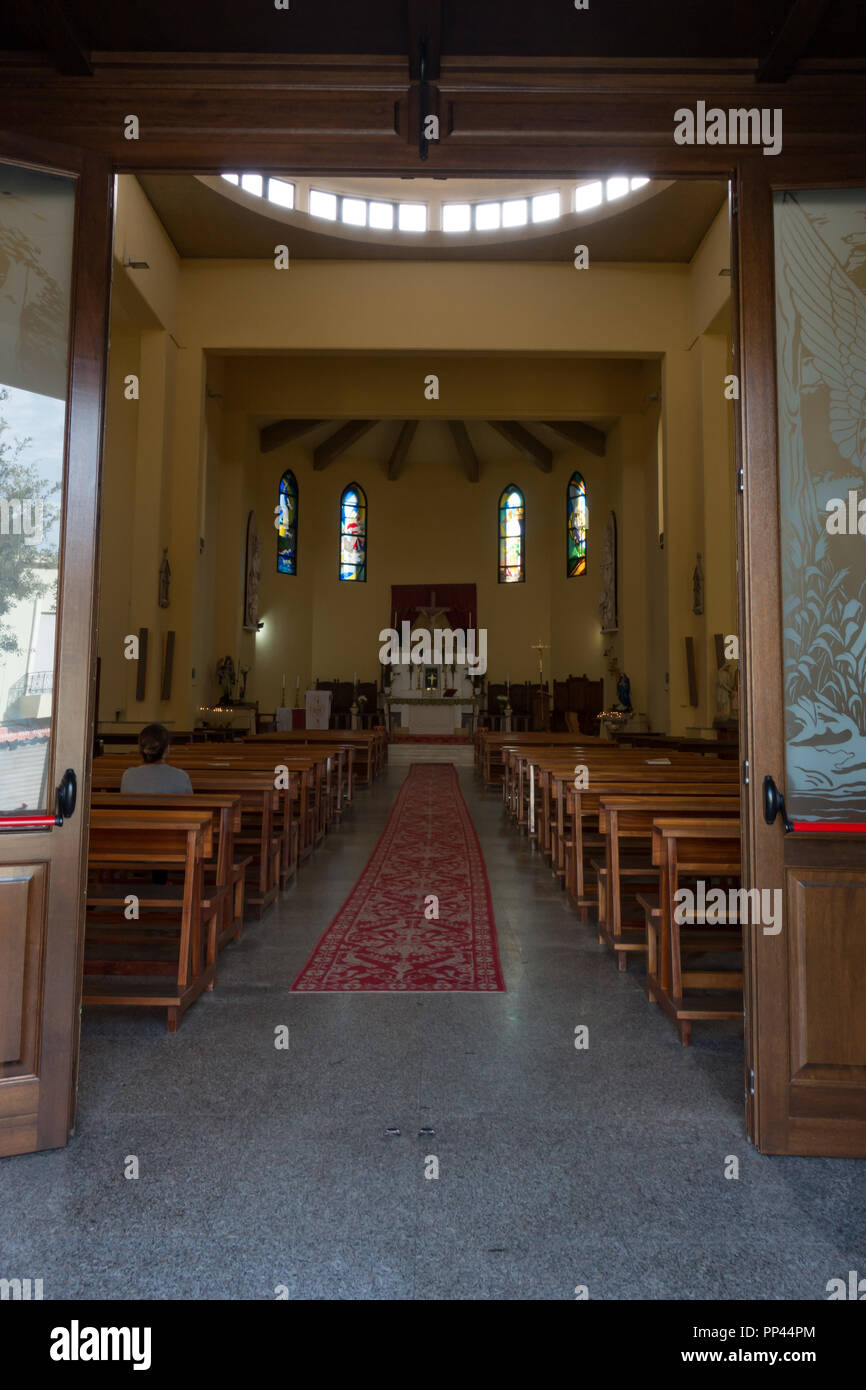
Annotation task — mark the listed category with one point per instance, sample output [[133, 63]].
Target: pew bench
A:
[[686, 850], [167, 956]]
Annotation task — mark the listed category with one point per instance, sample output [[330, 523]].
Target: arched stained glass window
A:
[[287, 525], [512, 531], [577, 523], [353, 534]]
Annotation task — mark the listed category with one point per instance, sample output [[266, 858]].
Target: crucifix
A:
[[541, 648], [431, 616]]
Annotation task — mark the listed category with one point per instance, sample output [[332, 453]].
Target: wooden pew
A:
[[183, 959], [223, 868], [691, 849], [583, 806], [626, 822], [261, 802]]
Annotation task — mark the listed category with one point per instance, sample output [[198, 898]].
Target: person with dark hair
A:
[[155, 775]]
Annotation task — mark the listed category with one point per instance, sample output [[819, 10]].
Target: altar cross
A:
[[541, 648]]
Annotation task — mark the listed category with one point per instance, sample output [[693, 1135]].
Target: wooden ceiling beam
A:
[[576, 432], [341, 440], [466, 453], [527, 443], [283, 432], [51, 22], [401, 448], [788, 47]]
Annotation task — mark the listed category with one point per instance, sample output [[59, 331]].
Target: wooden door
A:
[[802, 299], [55, 243]]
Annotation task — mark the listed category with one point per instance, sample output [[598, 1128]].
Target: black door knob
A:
[[67, 794], [774, 804]]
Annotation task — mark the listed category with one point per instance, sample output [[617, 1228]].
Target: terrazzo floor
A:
[[261, 1167]]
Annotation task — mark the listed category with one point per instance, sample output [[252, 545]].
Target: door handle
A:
[[67, 795], [774, 805]]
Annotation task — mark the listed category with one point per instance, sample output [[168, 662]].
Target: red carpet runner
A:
[[380, 939]]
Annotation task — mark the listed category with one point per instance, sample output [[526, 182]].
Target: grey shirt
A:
[[156, 778]]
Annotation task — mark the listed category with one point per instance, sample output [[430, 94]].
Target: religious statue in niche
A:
[[623, 691], [698, 587], [164, 581], [225, 673], [607, 601], [253, 570]]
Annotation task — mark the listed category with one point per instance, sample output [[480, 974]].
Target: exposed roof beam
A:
[[283, 432], [342, 439], [425, 23], [51, 22], [468, 456], [401, 448], [792, 40], [524, 441], [576, 432]]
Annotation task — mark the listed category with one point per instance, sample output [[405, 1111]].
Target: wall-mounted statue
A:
[[253, 570], [698, 587], [607, 602], [164, 581], [728, 690]]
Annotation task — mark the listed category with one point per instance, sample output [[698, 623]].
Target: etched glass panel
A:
[[37, 213], [820, 255]]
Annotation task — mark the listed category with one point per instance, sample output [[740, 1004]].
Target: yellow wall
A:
[[227, 346]]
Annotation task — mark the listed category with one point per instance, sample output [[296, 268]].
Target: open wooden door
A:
[[55, 241], [803, 338]]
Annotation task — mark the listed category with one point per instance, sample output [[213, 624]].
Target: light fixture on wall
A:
[[259, 627], [135, 265]]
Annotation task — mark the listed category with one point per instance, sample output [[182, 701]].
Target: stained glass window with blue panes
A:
[[353, 534], [577, 524], [512, 530], [287, 525]]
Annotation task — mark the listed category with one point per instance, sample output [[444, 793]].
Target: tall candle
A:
[[298, 683]]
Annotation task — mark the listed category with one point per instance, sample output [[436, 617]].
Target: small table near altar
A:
[[432, 714]]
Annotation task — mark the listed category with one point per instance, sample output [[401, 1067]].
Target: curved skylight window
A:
[[588, 195], [545, 206], [481, 215], [413, 217]]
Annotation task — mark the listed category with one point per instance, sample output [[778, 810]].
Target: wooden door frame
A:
[[75, 654], [761, 626], [565, 117]]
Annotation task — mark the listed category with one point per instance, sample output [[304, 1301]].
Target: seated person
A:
[[155, 775]]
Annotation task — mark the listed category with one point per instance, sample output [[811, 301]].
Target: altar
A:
[[440, 692], [430, 714]]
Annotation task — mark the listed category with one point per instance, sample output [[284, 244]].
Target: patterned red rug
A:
[[380, 940], [431, 738]]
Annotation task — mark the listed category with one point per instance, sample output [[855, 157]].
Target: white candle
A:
[[355, 680]]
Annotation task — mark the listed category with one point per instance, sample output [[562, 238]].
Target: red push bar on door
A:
[[29, 822], [67, 793]]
